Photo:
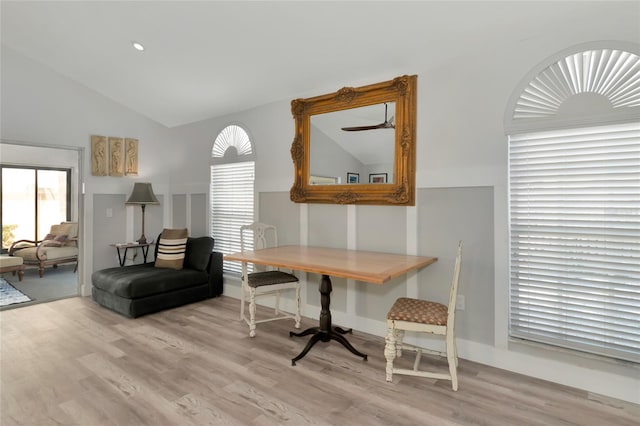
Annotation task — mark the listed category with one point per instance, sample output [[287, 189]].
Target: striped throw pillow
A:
[[171, 248]]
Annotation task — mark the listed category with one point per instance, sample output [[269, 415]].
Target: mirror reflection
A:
[[353, 146]]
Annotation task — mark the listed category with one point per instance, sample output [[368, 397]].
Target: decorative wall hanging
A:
[[116, 165], [114, 156], [98, 155], [131, 157]]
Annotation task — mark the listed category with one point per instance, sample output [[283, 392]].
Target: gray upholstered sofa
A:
[[141, 289]]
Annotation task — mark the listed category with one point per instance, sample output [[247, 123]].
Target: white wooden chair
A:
[[416, 315], [264, 281]]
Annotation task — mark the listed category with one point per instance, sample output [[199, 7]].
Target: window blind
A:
[[231, 206], [575, 239]]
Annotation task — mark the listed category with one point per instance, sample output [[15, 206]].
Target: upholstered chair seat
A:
[[269, 278], [420, 311]]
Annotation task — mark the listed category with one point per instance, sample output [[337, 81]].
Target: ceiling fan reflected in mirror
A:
[[387, 124]]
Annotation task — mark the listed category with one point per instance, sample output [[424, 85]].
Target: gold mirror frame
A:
[[402, 91]]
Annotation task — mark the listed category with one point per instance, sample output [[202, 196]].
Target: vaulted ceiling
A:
[[209, 58]]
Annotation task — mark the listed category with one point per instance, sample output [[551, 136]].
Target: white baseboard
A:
[[85, 290]]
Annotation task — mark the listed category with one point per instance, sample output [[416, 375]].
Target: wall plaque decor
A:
[[98, 155], [116, 165], [114, 156], [131, 157]]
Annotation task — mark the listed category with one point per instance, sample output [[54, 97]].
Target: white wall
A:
[[270, 128]]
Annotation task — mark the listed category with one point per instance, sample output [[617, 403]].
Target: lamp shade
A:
[[142, 194]]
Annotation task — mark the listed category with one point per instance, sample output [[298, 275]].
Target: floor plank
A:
[[73, 362]]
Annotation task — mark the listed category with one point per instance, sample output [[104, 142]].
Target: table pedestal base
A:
[[325, 332]]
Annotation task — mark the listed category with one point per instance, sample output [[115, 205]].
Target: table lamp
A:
[[142, 194]]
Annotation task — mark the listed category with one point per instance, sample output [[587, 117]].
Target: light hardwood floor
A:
[[71, 362]]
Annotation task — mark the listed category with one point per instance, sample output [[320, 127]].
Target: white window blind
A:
[[575, 239], [231, 206]]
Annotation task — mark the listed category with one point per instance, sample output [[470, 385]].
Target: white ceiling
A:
[[209, 58]]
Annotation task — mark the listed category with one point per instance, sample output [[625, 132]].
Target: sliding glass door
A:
[[33, 199]]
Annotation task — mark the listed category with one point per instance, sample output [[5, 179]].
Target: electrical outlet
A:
[[460, 303], [109, 212]]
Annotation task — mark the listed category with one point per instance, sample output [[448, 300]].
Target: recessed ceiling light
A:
[[137, 46]]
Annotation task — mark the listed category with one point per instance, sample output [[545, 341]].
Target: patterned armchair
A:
[[59, 246]]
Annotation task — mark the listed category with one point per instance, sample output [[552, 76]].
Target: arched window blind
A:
[[231, 190], [613, 74], [574, 204]]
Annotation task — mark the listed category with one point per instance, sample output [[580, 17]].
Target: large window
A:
[[33, 199], [574, 182], [231, 190], [575, 238]]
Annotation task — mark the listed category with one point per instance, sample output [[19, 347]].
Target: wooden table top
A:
[[371, 267]]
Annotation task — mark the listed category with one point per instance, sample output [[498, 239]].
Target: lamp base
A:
[[142, 240]]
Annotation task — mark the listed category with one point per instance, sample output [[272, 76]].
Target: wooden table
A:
[[371, 267]]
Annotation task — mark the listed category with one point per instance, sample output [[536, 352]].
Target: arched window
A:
[[574, 202], [231, 189]]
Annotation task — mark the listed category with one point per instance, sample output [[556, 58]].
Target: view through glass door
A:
[[32, 200]]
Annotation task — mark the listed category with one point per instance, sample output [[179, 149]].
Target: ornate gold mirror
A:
[[357, 145]]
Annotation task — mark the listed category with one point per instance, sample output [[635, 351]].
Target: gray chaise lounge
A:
[[141, 289]]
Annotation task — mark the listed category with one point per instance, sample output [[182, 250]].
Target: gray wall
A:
[[199, 215], [382, 229], [445, 216], [179, 210], [328, 225], [327, 228], [190, 211], [107, 230]]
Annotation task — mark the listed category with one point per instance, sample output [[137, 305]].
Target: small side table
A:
[[122, 257]]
